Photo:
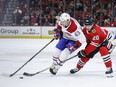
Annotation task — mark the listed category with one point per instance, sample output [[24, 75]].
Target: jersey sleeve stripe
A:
[[94, 44]]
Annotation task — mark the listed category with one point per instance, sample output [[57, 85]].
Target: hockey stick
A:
[[32, 74], [30, 58]]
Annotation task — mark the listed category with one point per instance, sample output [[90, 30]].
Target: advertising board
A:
[[35, 31]]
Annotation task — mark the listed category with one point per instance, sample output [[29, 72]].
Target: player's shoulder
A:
[[73, 23], [73, 26], [96, 29], [97, 26]]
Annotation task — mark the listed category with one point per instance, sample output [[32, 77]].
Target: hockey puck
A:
[[21, 77]]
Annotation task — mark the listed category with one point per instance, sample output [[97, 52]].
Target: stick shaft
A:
[[30, 59], [32, 74]]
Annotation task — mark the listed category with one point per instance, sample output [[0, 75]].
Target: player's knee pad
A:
[[103, 50]]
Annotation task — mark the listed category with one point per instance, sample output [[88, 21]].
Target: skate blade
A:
[[109, 75]]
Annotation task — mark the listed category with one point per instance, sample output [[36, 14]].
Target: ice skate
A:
[[54, 69], [55, 66], [72, 71], [109, 72]]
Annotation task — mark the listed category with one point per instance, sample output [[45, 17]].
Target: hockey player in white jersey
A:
[[69, 41]]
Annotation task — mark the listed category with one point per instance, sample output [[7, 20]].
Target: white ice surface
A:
[[15, 52]]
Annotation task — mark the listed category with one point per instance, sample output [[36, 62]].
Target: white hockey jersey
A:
[[73, 31]]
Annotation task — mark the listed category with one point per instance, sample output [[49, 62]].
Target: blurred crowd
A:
[[44, 12]]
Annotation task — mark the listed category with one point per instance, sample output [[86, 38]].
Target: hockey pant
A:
[[104, 54]]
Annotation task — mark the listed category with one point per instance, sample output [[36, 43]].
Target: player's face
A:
[[65, 23], [88, 27]]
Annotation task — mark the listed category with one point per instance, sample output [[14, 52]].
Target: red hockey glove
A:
[[81, 54], [73, 47], [56, 33]]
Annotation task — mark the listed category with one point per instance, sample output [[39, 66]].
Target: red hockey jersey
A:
[[94, 38]]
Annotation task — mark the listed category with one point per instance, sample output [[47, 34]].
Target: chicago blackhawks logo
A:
[[93, 31]]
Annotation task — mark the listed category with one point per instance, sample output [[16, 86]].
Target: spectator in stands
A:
[[114, 10], [47, 23], [107, 23], [33, 20], [17, 16], [114, 22], [25, 19], [38, 9]]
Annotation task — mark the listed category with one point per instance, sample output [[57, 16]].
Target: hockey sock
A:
[[107, 61], [106, 57], [82, 62]]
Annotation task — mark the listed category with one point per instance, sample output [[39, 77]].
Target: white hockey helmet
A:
[[65, 19]]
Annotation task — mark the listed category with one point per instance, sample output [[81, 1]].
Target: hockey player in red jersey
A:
[[69, 40], [98, 40]]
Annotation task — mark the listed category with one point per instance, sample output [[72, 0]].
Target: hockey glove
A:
[[73, 47], [81, 54], [56, 33]]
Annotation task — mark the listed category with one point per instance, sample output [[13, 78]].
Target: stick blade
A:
[[27, 74], [5, 75]]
